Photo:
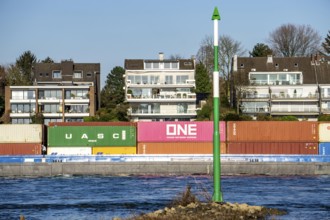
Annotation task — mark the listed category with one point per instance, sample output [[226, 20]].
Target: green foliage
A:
[[113, 97], [261, 50], [25, 63], [324, 118], [326, 44], [205, 114], [47, 60], [15, 77], [202, 79], [232, 117], [286, 118], [264, 117], [37, 118]]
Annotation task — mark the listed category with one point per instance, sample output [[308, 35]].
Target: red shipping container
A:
[[177, 131], [20, 149], [272, 131], [178, 148], [272, 148]]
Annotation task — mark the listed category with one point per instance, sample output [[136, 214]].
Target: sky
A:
[[110, 31]]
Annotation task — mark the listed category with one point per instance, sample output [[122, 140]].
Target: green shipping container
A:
[[91, 136]]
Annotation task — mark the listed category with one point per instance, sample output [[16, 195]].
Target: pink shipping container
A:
[[178, 131]]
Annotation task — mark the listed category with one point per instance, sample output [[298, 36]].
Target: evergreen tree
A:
[[113, 103], [25, 63], [261, 50], [202, 79], [326, 44]]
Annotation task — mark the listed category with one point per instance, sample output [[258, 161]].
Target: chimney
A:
[[161, 56], [269, 59], [235, 63]]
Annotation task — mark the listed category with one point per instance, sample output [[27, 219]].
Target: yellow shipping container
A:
[[114, 150]]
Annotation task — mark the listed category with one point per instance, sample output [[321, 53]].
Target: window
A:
[[148, 65], [181, 79], [40, 74], [155, 65], [167, 65], [168, 79], [89, 74], [77, 74], [175, 65], [57, 74]]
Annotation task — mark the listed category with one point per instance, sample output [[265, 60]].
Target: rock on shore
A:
[[197, 211]]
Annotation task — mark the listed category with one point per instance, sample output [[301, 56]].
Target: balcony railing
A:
[[158, 112], [301, 109], [148, 83], [254, 110], [164, 96], [256, 96], [294, 96]]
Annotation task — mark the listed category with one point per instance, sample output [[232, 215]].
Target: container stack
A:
[[21, 139], [178, 137], [272, 137], [87, 138], [324, 138]]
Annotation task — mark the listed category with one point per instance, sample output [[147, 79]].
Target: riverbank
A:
[[162, 168]]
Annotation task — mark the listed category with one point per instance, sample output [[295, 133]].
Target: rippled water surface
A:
[[96, 197]]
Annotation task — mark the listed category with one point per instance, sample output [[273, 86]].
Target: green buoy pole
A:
[[217, 195]]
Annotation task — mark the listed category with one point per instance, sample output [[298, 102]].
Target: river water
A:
[[101, 198]]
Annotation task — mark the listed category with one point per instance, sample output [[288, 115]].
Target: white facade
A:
[[161, 91]]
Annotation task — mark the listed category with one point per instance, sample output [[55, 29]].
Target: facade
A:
[[160, 89], [65, 91], [298, 86]]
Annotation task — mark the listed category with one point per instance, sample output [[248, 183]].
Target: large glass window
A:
[[22, 94], [181, 79], [76, 94]]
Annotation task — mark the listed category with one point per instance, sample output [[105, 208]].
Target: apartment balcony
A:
[[294, 97], [76, 100], [257, 110], [295, 110], [325, 110], [22, 101], [158, 113], [76, 114], [163, 97], [255, 97], [325, 97], [47, 100], [160, 84]]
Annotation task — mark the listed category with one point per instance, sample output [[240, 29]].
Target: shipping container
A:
[[113, 150], [272, 148], [20, 149], [69, 150], [179, 131], [324, 148], [21, 133], [178, 148], [324, 132], [70, 136], [272, 131], [92, 123]]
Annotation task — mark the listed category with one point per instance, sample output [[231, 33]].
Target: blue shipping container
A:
[[324, 148]]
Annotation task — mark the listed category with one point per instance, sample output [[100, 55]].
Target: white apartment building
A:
[[283, 86], [160, 89]]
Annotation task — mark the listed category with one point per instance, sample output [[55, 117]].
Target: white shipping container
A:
[[69, 150], [21, 133], [324, 132]]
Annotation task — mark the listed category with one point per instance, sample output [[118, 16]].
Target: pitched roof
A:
[[315, 69]]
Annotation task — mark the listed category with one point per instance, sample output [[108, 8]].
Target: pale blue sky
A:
[[109, 31]]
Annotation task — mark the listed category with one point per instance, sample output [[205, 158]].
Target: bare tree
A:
[[294, 40], [228, 47]]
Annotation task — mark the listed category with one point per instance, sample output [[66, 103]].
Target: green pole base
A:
[[217, 197]]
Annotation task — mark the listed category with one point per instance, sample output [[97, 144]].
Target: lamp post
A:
[[217, 195]]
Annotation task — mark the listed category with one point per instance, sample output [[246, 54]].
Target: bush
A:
[[264, 117], [324, 118], [288, 118]]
